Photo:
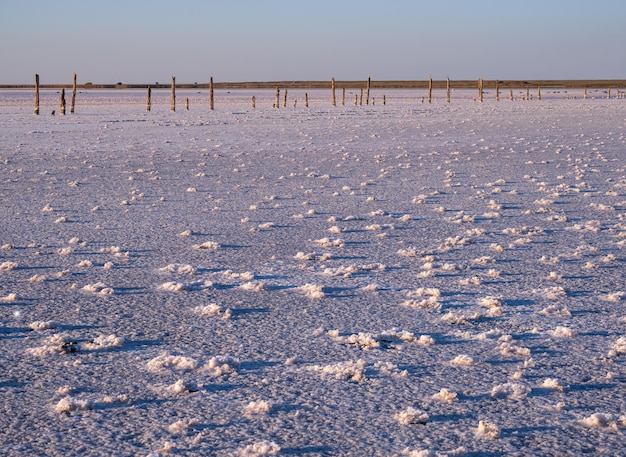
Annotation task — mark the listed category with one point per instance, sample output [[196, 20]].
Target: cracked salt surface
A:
[[407, 279]]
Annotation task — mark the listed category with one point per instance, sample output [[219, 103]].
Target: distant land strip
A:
[[395, 84]]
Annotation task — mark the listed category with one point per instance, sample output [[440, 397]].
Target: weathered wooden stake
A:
[[609, 93], [173, 95], [211, 95], [538, 93], [343, 96], [448, 90], [62, 108], [585, 93], [285, 99], [332, 88], [528, 93], [384, 100], [511, 94], [306, 99], [148, 99], [253, 102], [36, 94], [277, 102], [187, 104], [480, 89], [356, 99], [367, 96], [73, 100], [430, 90], [361, 98], [295, 102], [497, 90]]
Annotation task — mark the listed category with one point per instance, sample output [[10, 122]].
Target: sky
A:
[[136, 41]]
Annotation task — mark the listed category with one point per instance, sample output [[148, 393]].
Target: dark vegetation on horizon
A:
[[393, 84]]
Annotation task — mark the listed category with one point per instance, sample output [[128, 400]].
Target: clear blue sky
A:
[[136, 41]]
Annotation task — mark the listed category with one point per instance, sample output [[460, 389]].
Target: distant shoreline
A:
[[389, 84]]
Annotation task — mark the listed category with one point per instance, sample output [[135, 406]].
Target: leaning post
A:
[[332, 88], [62, 107], [36, 94], [73, 100], [173, 95]]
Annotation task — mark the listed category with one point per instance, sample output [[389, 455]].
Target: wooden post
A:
[[277, 102], [285, 99], [73, 100], [306, 99], [361, 98], [62, 108], [367, 95], [538, 93], [295, 102], [585, 93], [480, 89], [211, 95], [384, 100], [609, 93], [497, 90], [332, 88], [511, 94], [253, 102], [356, 99], [148, 99], [430, 89], [173, 95], [528, 93], [36, 94], [187, 104], [343, 96], [448, 90]]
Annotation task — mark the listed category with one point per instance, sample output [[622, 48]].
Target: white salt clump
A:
[[8, 266], [68, 404], [108, 265], [173, 286], [98, 288], [65, 251], [614, 297], [411, 416], [554, 292], [103, 342], [363, 340], [259, 449], [445, 395], [552, 383], [462, 360], [554, 310], [428, 303], [179, 268], [39, 326], [344, 371], [257, 407], [9, 298], [408, 252], [207, 245], [213, 309], [47, 208], [554, 276], [253, 286], [181, 426], [509, 349], [487, 430], [174, 362], [186, 233], [619, 347], [183, 385], [511, 390], [562, 332], [312, 290], [425, 291], [84, 264], [489, 302], [221, 365], [328, 243], [602, 420]]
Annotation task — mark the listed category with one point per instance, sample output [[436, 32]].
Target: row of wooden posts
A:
[[358, 98]]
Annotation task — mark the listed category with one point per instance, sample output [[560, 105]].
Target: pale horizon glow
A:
[[246, 40]]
